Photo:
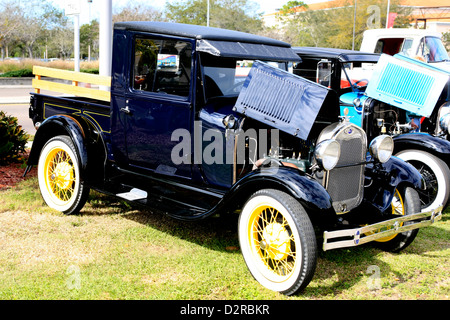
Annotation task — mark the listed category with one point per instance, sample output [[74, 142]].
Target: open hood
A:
[[282, 100]]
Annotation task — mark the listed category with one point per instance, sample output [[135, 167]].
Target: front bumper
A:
[[357, 236]]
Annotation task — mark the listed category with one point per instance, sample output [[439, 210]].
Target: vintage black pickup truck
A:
[[416, 138], [203, 121]]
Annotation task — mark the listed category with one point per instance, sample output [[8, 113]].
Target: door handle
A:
[[125, 110]]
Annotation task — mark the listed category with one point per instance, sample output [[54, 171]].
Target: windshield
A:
[[432, 49], [356, 74], [226, 76]]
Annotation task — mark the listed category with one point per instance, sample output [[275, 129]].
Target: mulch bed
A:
[[12, 174]]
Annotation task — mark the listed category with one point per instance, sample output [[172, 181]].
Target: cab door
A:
[[158, 102]]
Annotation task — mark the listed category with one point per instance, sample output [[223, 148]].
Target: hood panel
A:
[[281, 99]]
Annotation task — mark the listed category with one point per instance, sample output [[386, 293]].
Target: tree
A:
[[9, 17], [89, 43], [333, 26], [240, 15], [138, 12]]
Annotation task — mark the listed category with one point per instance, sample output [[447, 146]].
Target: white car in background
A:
[[415, 43]]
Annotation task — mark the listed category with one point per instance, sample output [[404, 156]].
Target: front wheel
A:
[[405, 201], [435, 174], [277, 241], [59, 176]]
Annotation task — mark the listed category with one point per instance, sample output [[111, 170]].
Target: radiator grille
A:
[[407, 83], [345, 183]]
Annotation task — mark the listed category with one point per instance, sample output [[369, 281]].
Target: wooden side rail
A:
[[75, 77]]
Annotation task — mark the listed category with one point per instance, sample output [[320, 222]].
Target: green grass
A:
[[115, 251]]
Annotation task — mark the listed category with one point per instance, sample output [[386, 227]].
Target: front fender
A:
[[423, 141], [383, 178], [310, 193]]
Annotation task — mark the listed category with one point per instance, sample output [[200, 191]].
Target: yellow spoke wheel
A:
[[59, 176], [405, 201], [272, 241], [277, 241], [398, 208]]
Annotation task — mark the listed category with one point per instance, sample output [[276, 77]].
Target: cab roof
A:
[[197, 32], [332, 53]]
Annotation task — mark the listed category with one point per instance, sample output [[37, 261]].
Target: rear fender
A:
[[81, 133]]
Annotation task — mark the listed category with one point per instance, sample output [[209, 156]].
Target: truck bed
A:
[[81, 98], [45, 106]]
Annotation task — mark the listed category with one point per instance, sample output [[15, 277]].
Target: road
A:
[[14, 100]]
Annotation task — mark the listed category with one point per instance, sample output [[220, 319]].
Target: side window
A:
[[162, 66], [406, 48], [379, 46]]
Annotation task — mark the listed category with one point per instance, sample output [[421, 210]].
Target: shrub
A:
[[12, 139], [93, 70], [18, 73]]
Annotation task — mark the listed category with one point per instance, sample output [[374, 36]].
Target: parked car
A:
[[348, 74], [413, 43], [198, 139]]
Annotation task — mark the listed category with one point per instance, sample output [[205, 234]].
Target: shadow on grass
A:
[[337, 270], [216, 233]]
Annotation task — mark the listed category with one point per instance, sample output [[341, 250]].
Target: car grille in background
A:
[[407, 83], [345, 183]]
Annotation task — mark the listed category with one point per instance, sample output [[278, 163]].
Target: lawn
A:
[[117, 251]]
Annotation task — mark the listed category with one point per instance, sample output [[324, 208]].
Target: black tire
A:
[[406, 201], [435, 175], [59, 176], [277, 241]]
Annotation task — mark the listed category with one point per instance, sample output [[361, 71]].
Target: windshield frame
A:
[[209, 63]]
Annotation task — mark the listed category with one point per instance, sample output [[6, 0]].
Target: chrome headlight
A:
[[327, 153], [381, 148], [444, 123]]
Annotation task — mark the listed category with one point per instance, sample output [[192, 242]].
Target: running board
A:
[[133, 195], [357, 236]]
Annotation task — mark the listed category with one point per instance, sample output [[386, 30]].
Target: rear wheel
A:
[[277, 241], [405, 201], [59, 176]]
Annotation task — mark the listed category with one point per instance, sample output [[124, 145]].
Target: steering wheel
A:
[[359, 81]]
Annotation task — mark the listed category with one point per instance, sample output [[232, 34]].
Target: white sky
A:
[[266, 6]]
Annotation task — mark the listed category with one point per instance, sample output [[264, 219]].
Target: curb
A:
[[15, 100]]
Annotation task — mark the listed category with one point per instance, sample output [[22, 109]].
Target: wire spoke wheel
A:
[[59, 176], [405, 201], [272, 240], [435, 176], [398, 208], [277, 241]]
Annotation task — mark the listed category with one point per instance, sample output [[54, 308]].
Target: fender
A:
[[383, 178], [310, 193], [425, 142], [79, 130]]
